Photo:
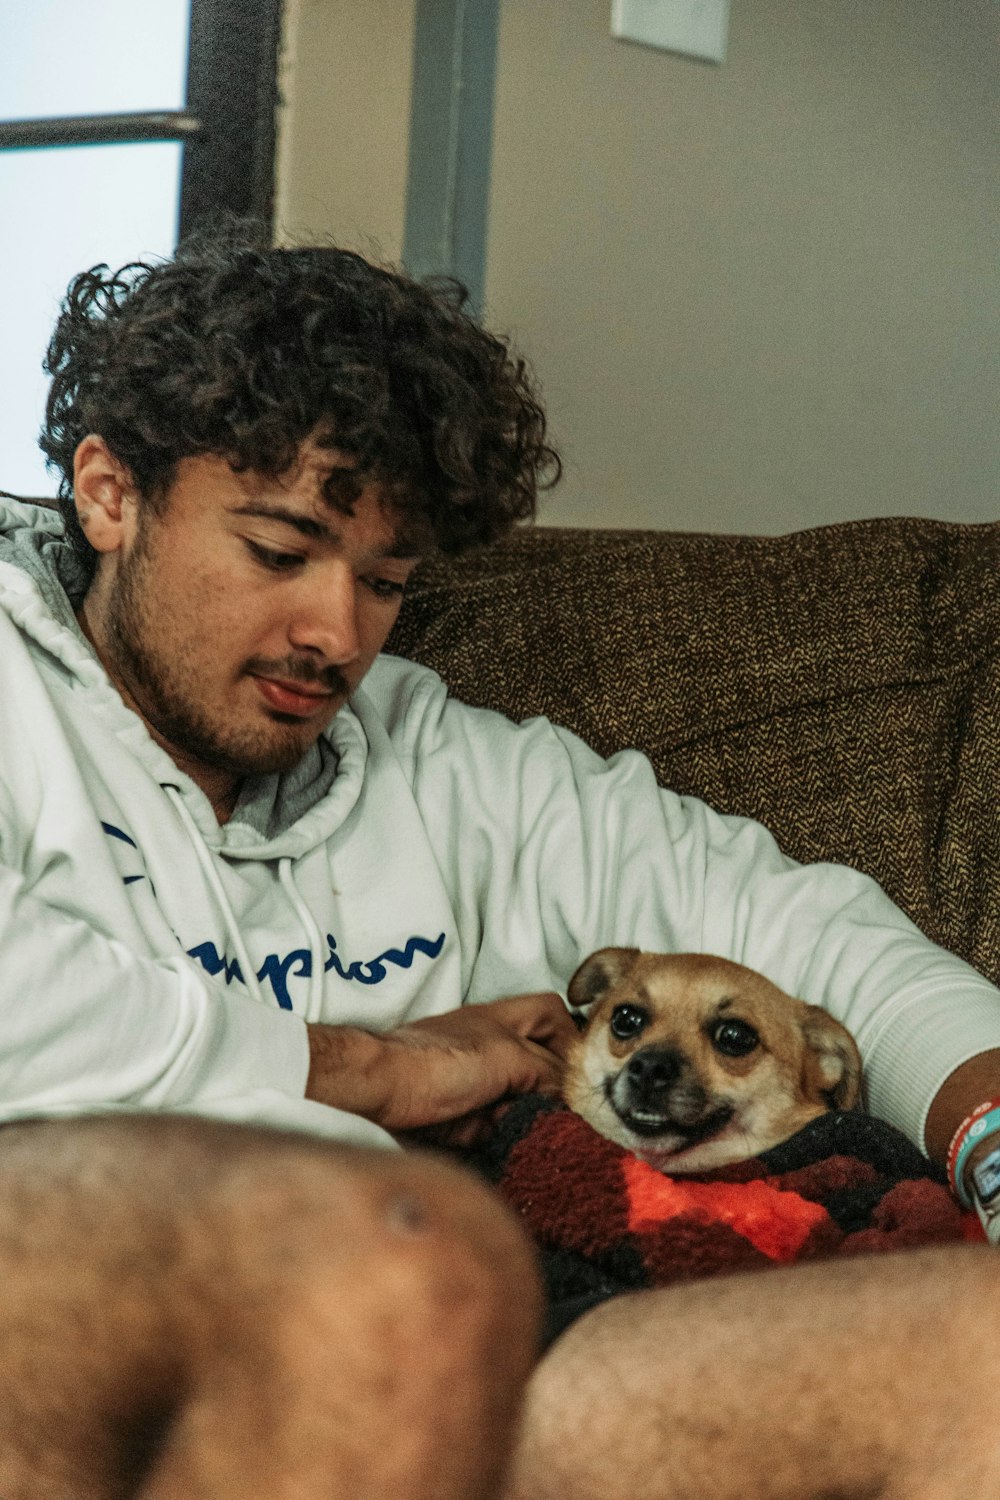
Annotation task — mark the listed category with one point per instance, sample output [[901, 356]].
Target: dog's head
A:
[[693, 1062]]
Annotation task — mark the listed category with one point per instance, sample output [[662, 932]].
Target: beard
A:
[[163, 678]]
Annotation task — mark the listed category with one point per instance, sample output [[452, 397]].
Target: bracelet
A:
[[984, 1119]]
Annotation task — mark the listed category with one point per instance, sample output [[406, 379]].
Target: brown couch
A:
[[842, 685]]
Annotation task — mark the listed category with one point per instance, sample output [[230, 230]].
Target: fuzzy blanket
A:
[[605, 1222]]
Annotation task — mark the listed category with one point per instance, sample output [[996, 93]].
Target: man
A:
[[253, 871]]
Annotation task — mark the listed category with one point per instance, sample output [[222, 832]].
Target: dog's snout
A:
[[652, 1071]]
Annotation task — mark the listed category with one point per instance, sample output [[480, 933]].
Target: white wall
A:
[[758, 296], [343, 132]]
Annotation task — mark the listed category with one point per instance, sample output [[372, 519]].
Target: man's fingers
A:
[[544, 1071], [541, 1018], [558, 1038], [443, 1067]]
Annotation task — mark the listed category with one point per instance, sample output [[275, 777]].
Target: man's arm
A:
[[87, 1022], [973, 1083], [590, 852], [441, 1068]]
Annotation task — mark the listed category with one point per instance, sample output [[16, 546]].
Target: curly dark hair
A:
[[237, 349]]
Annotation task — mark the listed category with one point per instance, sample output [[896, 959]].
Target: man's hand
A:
[[442, 1068]]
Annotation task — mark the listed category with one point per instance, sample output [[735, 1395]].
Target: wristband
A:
[[983, 1121]]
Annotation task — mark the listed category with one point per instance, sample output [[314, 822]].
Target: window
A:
[[115, 136]]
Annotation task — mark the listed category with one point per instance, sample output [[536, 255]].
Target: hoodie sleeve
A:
[[554, 852], [74, 1002], [89, 1021]]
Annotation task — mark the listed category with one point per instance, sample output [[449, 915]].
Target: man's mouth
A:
[[296, 698]]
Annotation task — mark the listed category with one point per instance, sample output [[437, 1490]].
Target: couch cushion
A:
[[841, 684]]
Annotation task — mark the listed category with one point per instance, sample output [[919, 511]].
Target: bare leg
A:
[[867, 1379], [191, 1310]]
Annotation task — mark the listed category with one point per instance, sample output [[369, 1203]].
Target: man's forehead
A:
[[411, 534], [342, 481], [326, 487]]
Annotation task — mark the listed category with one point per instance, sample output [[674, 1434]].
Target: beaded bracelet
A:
[[984, 1119]]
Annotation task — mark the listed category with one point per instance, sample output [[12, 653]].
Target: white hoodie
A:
[[423, 856]]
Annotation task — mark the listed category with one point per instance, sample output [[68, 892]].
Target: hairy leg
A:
[[868, 1379], [192, 1310]]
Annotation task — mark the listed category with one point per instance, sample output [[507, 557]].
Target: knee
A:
[[436, 1267], [389, 1254], [558, 1450], [260, 1228]]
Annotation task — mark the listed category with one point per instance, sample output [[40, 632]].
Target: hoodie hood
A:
[[32, 538], [42, 583]]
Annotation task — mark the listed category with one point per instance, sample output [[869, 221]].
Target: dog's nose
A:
[[652, 1071]]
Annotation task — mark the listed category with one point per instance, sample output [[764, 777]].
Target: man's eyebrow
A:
[[307, 525], [315, 530]]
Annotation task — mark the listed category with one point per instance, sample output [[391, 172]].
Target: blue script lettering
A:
[[118, 833], [275, 970], [214, 962], [374, 971]]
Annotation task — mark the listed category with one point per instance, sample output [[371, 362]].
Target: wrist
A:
[[968, 1146], [974, 1166], [971, 1083], [346, 1069]]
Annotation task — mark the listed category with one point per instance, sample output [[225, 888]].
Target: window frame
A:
[[227, 126]]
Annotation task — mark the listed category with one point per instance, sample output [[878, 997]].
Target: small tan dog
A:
[[692, 1062]]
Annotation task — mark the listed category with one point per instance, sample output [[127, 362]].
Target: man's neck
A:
[[221, 788]]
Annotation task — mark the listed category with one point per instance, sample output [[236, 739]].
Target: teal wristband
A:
[[982, 1126]]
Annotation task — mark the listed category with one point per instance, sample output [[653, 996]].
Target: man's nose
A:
[[325, 617]]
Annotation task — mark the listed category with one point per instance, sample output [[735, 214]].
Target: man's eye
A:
[[385, 588], [278, 562]]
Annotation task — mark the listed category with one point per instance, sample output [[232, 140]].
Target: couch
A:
[[841, 684]]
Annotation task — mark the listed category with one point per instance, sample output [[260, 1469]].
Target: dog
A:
[[693, 1062]]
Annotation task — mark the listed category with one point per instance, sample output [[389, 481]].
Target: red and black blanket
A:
[[605, 1222]]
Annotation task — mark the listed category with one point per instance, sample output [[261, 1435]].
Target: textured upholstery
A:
[[842, 685]]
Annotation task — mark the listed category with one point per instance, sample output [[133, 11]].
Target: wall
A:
[[758, 296], [343, 133]]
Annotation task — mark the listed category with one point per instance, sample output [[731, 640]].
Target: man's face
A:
[[238, 619]]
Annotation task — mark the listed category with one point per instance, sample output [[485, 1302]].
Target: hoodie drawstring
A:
[[314, 1005], [314, 941], [212, 876]]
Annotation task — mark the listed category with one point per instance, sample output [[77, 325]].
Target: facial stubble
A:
[[163, 680]]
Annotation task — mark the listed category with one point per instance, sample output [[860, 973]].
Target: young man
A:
[[254, 871]]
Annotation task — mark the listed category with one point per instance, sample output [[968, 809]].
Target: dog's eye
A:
[[734, 1038], [627, 1021]]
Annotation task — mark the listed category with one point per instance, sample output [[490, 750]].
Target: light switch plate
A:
[[698, 28]]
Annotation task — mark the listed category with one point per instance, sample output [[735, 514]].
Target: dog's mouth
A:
[[650, 1124], [675, 1108]]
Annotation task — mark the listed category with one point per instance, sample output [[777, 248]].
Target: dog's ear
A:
[[598, 973], [832, 1067]]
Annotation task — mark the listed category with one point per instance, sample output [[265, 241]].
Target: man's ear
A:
[[832, 1065], [103, 493], [598, 972]]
